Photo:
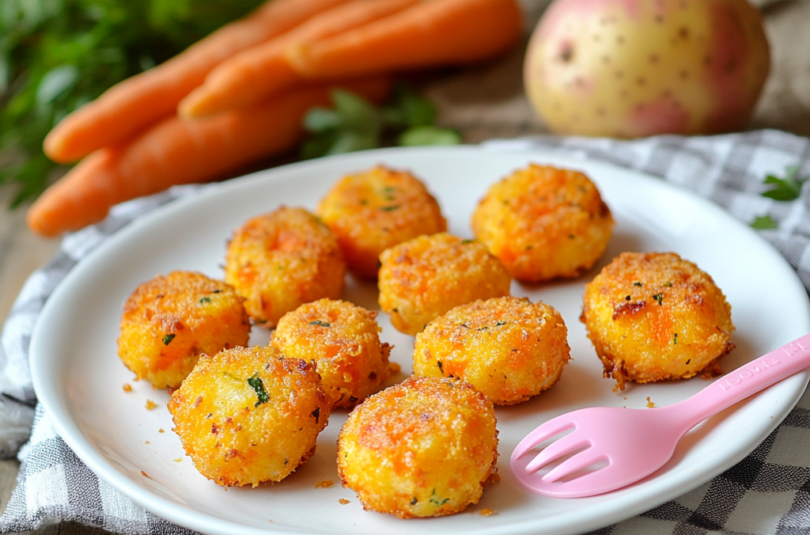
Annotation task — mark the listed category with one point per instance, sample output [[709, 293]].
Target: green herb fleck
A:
[[389, 208], [435, 500], [441, 369], [499, 323], [688, 361], [320, 323], [414, 500], [316, 413], [668, 284], [659, 298], [394, 310], [675, 339], [256, 384], [168, 339], [465, 242], [637, 283], [785, 189], [528, 247], [205, 300], [764, 223]]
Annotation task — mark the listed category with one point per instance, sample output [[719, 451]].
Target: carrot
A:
[[138, 102], [262, 70], [180, 152], [432, 33]]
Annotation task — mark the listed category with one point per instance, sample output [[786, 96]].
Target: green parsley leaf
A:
[[418, 136], [659, 298], [764, 223], [785, 189], [257, 385], [320, 323], [168, 339]]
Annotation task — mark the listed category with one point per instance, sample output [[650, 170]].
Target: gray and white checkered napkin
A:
[[767, 493]]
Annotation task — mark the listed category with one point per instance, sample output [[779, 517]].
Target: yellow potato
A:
[[655, 316], [249, 415], [544, 223], [423, 278], [377, 209], [424, 447], [281, 260], [343, 341], [508, 348], [170, 321]]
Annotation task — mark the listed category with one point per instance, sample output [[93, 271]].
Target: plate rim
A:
[[81, 445]]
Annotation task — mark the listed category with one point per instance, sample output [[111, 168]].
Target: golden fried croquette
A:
[[424, 447], [544, 223], [343, 340], [423, 278], [655, 316], [377, 209], [169, 321], [281, 260], [508, 348], [249, 415]]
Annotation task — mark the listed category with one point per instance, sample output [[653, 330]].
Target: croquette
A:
[[168, 322], [281, 260], [422, 448], [544, 223], [423, 278], [249, 415], [373, 210], [508, 348], [343, 341], [654, 316]]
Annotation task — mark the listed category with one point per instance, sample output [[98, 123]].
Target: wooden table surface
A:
[[483, 102]]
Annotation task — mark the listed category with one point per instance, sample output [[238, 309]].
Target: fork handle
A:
[[746, 380]]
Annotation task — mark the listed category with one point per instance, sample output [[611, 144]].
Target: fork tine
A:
[[564, 446], [579, 461], [553, 427]]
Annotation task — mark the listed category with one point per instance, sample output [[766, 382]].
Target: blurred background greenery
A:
[[56, 55]]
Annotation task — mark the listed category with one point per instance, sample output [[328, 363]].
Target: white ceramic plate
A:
[[79, 378]]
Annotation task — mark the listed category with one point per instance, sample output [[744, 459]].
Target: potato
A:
[[281, 260], [343, 341], [508, 348], [654, 316], [249, 415], [544, 223], [628, 69], [423, 278], [422, 448], [168, 322], [376, 209]]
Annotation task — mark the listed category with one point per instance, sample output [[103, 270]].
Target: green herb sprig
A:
[[355, 124], [784, 189]]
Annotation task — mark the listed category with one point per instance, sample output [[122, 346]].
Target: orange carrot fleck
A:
[[432, 33], [136, 103], [263, 70], [181, 152]]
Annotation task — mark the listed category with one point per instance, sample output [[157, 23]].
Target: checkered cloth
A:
[[767, 493]]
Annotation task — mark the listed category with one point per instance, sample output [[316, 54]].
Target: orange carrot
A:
[[433, 33], [262, 70], [180, 152], [138, 102]]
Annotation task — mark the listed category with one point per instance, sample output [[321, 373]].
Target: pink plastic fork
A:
[[613, 447]]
